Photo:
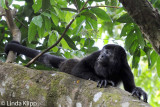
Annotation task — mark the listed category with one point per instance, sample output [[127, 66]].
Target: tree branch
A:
[[102, 6], [67, 27], [16, 34], [54, 89], [74, 10]]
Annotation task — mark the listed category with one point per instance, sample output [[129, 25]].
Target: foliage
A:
[[42, 22]]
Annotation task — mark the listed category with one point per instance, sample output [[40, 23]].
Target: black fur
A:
[[108, 66]]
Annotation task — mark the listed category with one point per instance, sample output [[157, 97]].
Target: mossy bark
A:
[[25, 87]]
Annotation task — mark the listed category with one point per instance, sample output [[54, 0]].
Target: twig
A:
[[102, 6], [21, 22], [74, 10], [63, 34]]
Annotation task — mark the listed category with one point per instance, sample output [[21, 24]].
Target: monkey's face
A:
[[106, 57]]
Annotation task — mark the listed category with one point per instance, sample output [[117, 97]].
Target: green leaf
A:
[[126, 29], [47, 23], [92, 23], [136, 58], [79, 22], [158, 66], [54, 19], [70, 42], [16, 6], [92, 49], [37, 20], [101, 14], [89, 14], [2, 3], [64, 44], [154, 57], [46, 14], [147, 51], [131, 37], [32, 32], [89, 42], [41, 31], [45, 4], [140, 38], [125, 18], [113, 2], [10, 2], [52, 39], [133, 47], [37, 5], [59, 13], [52, 2]]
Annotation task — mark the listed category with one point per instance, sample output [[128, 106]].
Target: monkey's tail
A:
[[47, 59]]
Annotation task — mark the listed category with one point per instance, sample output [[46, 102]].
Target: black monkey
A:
[[108, 66]]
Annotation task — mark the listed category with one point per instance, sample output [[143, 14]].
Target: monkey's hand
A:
[[9, 45], [105, 83], [139, 92]]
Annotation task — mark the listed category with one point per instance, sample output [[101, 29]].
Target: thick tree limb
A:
[[147, 18], [57, 89]]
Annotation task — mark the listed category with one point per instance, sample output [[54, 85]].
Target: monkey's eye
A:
[[108, 52]]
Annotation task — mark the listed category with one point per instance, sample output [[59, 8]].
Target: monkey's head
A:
[[111, 54]]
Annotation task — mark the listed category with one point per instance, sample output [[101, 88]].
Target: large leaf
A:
[[46, 14], [133, 47], [52, 2], [125, 18], [45, 4], [154, 57], [89, 42], [92, 49], [93, 23], [147, 51], [89, 14], [37, 5], [131, 37], [47, 23], [136, 58], [158, 66], [140, 38], [54, 19], [52, 39], [31, 32], [70, 42], [41, 31], [65, 44], [126, 29], [79, 22], [37, 20], [101, 14]]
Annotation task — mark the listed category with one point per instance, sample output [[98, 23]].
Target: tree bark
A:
[[27, 87], [147, 18]]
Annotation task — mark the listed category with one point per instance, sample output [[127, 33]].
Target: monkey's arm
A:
[[129, 85], [47, 59], [85, 68]]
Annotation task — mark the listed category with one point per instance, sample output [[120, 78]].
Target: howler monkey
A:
[[108, 66]]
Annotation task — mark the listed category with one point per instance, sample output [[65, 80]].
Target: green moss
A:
[[55, 92], [34, 90]]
